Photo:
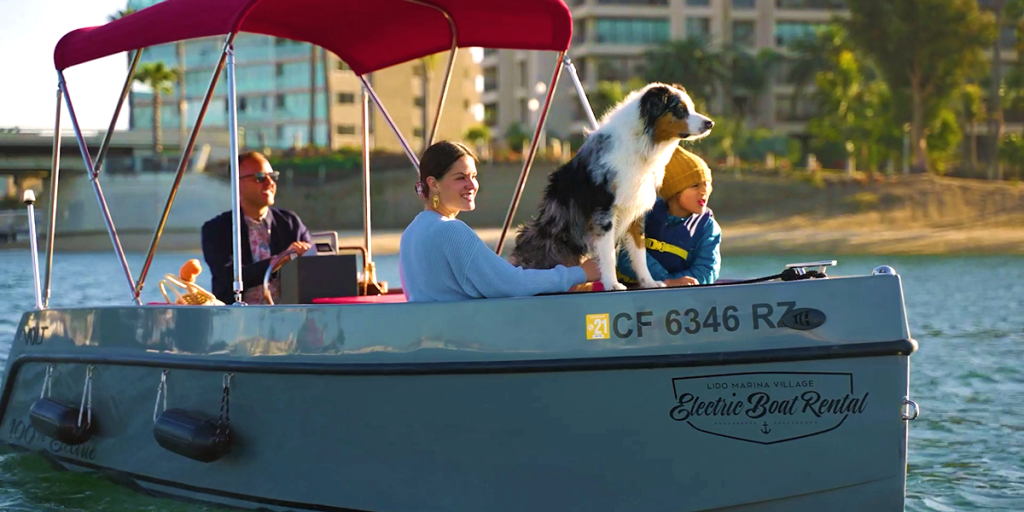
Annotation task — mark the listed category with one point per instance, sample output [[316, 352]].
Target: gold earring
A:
[[436, 201]]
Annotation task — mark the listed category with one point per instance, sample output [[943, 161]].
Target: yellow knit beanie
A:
[[684, 170]]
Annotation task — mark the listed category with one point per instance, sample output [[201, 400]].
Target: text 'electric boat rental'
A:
[[784, 393]]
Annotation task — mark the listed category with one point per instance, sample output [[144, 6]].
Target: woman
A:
[[442, 259]]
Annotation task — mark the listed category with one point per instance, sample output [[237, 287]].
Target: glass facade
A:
[[789, 31], [631, 30]]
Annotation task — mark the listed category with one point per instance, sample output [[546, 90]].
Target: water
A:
[[966, 450]]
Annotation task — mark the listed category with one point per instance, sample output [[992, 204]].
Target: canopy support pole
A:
[[54, 180], [391, 122], [236, 204], [580, 92], [182, 165], [369, 269], [533, 151], [117, 111], [96, 186], [448, 74]]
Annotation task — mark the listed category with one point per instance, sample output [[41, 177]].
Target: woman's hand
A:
[[592, 269], [682, 281]]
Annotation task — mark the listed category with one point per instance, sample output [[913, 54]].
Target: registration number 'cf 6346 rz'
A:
[[689, 321]]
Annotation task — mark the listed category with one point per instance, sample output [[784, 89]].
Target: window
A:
[[491, 114], [698, 3], [342, 66], [523, 78], [744, 4], [579, 32], [279, 101], [789, 31], [346, 129], [698, 27], [279, 70], [618, 69], [417, 131], [631, 30], [346, 97], [810, 4], [743, 33], [490, 78], [418, 101]]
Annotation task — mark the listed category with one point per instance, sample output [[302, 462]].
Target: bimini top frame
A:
[[390, 32]]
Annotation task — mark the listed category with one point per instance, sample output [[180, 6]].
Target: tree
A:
[[159, 78], [972, 111], [923, 48], [752, 74], [609, 94], [808, 56], [689, 62], [855, 105]]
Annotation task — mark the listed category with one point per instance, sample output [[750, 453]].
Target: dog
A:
[[591, 202]]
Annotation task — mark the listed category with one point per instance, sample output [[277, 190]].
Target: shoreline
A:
[[740, 239]]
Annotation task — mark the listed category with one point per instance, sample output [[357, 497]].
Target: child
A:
[[681, 234]]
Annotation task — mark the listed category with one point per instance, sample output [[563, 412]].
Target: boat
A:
[[788, 392]]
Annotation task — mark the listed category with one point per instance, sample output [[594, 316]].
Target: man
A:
[[265, 232]]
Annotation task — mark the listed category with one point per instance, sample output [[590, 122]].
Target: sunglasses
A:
[[262, 176]]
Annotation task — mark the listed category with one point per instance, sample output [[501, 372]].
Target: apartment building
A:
[[273, 77]]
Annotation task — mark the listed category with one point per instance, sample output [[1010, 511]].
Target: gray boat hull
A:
[[652, 402]]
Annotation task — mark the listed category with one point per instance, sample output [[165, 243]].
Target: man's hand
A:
[[300, 247], [682, 281]]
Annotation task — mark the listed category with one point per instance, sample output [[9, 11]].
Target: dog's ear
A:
[[658, 100]]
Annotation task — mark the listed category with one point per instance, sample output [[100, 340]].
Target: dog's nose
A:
[[709, 124]]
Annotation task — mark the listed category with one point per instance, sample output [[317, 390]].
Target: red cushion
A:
[[362, 299]]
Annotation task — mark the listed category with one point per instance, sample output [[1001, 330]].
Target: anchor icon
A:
[[764, 429]]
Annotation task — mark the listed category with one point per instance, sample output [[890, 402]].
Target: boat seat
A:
[[391, 298]]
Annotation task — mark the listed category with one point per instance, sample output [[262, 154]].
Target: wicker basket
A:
[[194, 294]]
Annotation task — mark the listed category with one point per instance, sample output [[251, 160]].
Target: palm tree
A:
[[159, 78], [689, 62], [428, 64], [752, 74], [808, 56]]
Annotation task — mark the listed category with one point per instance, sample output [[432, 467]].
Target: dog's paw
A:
[[613, 285], [653, 284]]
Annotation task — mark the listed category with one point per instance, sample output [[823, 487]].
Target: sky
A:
[[29, 31]]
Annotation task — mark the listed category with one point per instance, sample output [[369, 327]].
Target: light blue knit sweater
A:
[[443, 259]]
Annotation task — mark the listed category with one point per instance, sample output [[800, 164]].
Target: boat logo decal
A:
[[803, 319], [597, 327], [22, 432], [766, 407]]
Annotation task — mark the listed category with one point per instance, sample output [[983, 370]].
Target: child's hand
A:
[[682, 281]]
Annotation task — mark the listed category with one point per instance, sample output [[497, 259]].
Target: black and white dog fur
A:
[[602, 194]]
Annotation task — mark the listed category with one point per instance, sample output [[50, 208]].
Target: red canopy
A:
[[367, 34]]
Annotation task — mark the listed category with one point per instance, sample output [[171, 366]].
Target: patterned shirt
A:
[[259, 245]]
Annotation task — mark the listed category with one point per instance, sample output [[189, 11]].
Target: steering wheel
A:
[[275, 264]]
